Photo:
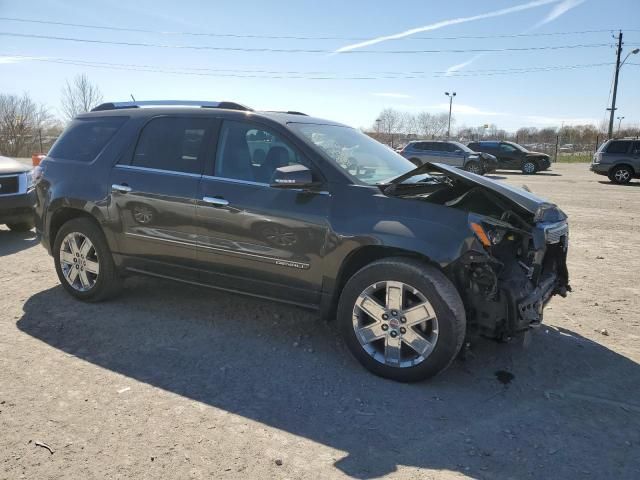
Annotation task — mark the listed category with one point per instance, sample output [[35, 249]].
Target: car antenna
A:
[[131, 94]]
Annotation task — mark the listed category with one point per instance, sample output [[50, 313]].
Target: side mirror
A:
[[292, 176]]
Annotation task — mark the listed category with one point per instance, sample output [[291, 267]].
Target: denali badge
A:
[[284, 263]]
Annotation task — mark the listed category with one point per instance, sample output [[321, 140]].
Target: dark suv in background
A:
[[450, 153], [512, 156], [619, 159], [410, 261]]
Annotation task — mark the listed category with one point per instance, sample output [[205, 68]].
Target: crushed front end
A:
[[512, 271]]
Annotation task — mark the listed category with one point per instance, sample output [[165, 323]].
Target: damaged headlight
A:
[[490, 231], [549, 213]]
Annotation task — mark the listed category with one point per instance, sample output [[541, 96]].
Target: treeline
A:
[[28, 127], [395, 127]]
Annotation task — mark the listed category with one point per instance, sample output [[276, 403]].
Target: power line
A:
[[310, 72], [302, 75], [287, 37], [298, 50]]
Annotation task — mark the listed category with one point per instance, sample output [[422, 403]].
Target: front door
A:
[[154, 192], [508, 156], [253, 237]]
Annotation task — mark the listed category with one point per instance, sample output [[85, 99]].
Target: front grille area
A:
[[554, 234], [8, 185]]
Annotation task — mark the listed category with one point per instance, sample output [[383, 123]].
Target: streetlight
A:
[[619, 123], [378, 120], [615, 81], [453, 94]]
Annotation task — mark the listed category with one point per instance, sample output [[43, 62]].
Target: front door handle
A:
[[120, 188], [218, 202]]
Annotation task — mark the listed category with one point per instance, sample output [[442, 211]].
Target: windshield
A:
[[462, 147], [518, 147], [365, 159]]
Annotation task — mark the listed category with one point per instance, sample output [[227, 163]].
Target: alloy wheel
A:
[[79, 261], [395, 324], [622, 175], [529, 167], [474, 168]]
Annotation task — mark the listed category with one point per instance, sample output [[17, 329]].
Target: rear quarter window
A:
[[85, 138], [618, 147]]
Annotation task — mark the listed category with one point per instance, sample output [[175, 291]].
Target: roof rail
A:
[[290, 112], [171, 103]]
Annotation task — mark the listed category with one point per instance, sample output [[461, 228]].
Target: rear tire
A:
[[529, 167], [89, 275], [425, 311], [621, 175], [21, 227]]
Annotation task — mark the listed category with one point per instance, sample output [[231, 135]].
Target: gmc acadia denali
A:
[[409, 261]]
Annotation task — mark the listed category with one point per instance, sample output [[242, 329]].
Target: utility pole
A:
[[615, 84], [453, 94]]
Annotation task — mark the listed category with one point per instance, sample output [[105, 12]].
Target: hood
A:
[[488, 156], [539, 207], [9, 165]]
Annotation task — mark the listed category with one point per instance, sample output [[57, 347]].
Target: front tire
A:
[[474, 167], [83, 261], [402, 319], [621, 175]]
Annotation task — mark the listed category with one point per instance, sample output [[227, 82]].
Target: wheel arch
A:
[[358, 259], [62, 215], [623, 164]]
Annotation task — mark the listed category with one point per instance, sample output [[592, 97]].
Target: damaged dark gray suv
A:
[[410, 262]]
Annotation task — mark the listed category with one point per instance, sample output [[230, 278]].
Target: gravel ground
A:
[[172, 381]]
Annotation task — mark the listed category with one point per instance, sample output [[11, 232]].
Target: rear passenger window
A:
[[636, 148], [618, 147], [85, 138], [174, 144]]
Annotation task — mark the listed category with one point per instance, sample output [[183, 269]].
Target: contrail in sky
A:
[[453, 21]]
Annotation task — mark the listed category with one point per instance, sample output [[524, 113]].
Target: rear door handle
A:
[[218, 202], [120, 188]]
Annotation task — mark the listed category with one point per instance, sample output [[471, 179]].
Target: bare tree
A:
[[79, 96], [21, 122], [390, 121], [432, 125]]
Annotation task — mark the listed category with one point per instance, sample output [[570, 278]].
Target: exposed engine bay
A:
[[517, 260]]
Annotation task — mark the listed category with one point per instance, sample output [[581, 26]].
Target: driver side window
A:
[[507, 148], [248, 152]]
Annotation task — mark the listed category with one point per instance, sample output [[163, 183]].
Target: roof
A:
[[189, 107]]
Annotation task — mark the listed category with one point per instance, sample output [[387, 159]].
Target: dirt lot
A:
[[171, 381]]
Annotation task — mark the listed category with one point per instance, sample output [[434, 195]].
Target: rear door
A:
[[154, 190], [253, 237], [433, 152], [418, 150], [455, 154]]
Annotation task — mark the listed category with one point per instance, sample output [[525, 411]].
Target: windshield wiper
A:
[[411, 173], [409, 188]]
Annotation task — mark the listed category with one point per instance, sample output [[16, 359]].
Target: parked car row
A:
[[477, 157]]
